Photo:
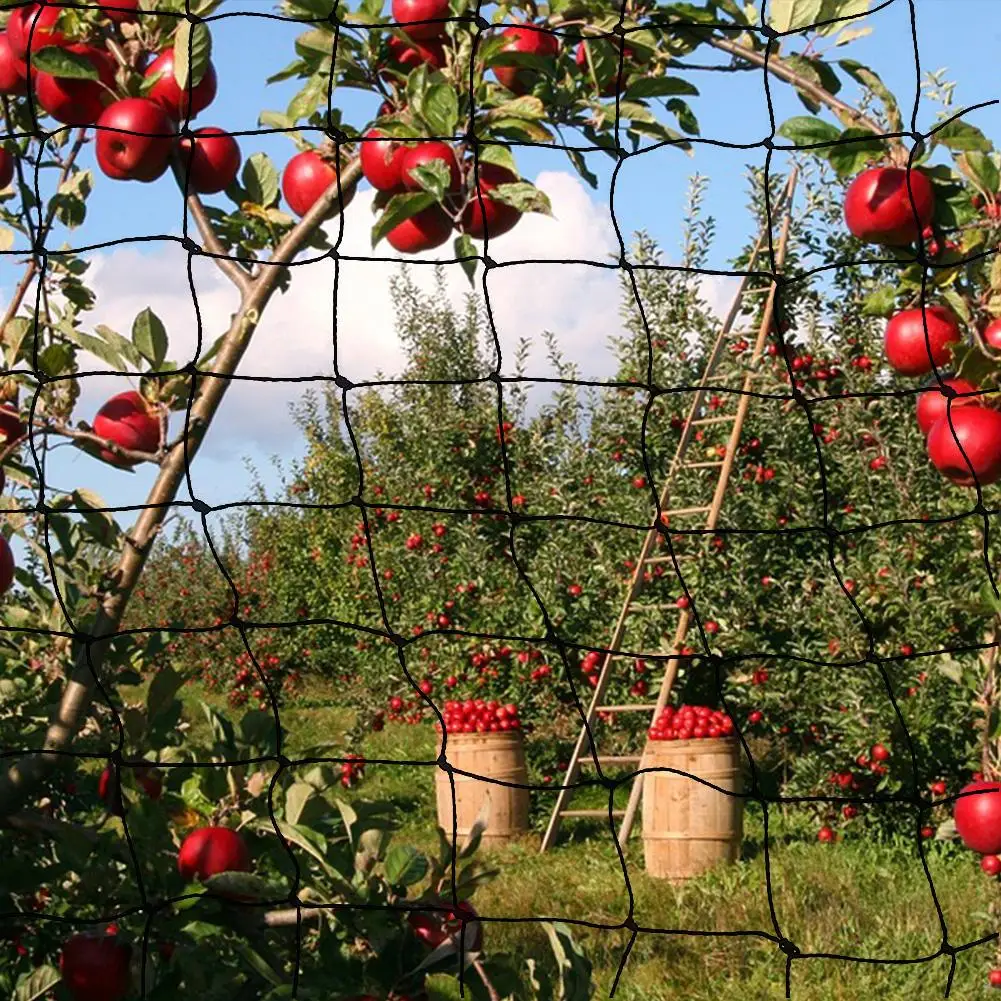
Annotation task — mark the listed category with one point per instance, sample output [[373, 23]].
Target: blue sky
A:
[[962, 36]]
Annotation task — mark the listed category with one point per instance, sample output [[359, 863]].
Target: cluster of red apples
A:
[[136, 135], [98, 967], [690, 723], [892, 206], [477, 716]]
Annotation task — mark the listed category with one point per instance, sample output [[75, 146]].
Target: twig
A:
[[20, 778], [491, 990]]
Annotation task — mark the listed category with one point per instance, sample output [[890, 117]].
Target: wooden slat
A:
[[614, 759]]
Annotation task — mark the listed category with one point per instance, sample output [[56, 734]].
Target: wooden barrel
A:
[[499, 756], [689, 827]]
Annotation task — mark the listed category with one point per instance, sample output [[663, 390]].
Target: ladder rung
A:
[[688, 510], [613, 759], [715, 464], [757, 291], [633, 707], [593, 813], [715, 420], [680, 557], [638, 607]]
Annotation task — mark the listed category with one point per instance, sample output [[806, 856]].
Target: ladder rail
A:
[[585, 736]]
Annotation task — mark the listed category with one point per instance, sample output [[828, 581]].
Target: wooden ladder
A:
[[696, 418]]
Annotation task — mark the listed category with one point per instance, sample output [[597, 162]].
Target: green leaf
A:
[[465, 254], [261, 180], [101, 523], [881, 302], [150, 337], [868, 78], [960, 135], [296, 798], [192, 52], [241, 884], [525, 197], [806, 130], [56, 360], [433, 177], [500, 156], [982, 170], [194, 798], [660, 86], [400, 208], [15, 333], [573, 966], [257, 963], [62, 63], [36, 984], [121, 345], [405, 866], [165, 685], [793, 15], [855, 149], [686, 117], [441, 109]]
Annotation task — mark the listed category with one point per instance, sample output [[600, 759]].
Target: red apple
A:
[[978, 430], [932, 402], [424, 231], [168, 95], [212, 158], [12, 78], [381, 158], [991, 864], [994, 978], [978, 817], [6, 566], [120, 10], [96, 968], [531, 40], [37, 24], [405, 12], [109, 789], [127, 421], [425, 153], [491, 218], [7, 164], [134, 140], [307, 176], [78, 102], [410, 57], [151, 782], [211, 850], [992, 334], [905, 345], [878, 206], [435, 927], [11, 425]]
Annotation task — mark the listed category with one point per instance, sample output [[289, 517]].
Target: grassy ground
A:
[[871, 902]]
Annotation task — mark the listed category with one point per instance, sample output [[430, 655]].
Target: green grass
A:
[[856, 898]]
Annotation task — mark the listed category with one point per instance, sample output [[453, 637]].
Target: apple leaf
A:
[[962, 136], [433, 177], [465, 254], [793, 15], [192, 52], [660, 86], [261, 180], [881, 302], [63, 63], [805, 130], [36, 984], [119, 344], [573, 965], [405, 866], [441, 109], [399, 209], [296, 797], [868, 78], [150, 337], [499, 156], [854, 150], [982, 170], [523, 196]]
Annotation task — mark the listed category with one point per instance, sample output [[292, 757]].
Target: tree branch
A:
[[848, 115], [20, 778]]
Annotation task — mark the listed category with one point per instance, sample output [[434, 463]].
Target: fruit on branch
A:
[[134, 140], [405, 12], [96, 968], [6, 566], [878, 205], [904, 340], [151, 782], [35, 26], [212, 159], [109, 790], [531, 40], [992, 334], [208, 851], [410, 57], [6, 169], [12, 78], [381, 158], [978, 430], [425, 153], [127, 421], [933, 402], [426, 230], [307, 176], [177, 102], [78, 102], [977, 814], [434, 928], [491, 217], [120, 10], [11, 425]]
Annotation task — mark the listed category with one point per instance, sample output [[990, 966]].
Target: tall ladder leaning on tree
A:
[[585, 752]]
